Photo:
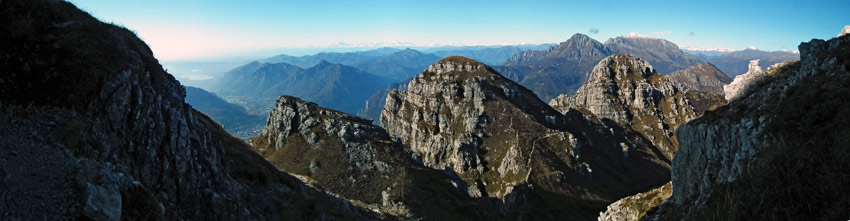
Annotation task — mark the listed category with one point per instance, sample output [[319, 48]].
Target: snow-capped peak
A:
[[708, 49], [636, 35]]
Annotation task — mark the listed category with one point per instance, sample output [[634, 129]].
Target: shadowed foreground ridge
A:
[[777, 151], [92, 127]]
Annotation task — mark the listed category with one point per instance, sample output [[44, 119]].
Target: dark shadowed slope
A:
[[92, 127]]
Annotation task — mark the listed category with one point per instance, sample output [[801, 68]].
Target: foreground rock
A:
[[628, 91], [348, 156], [92, 127], [777, 151], [461, 116]]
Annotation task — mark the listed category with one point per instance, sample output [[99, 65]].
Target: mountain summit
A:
[[627, 90], [461, 116], [565, 67]]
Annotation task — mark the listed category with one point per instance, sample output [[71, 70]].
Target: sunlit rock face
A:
[[627, 90], [462, 116], [741, 82]]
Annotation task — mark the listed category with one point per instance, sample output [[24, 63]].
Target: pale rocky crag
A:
[[741, 82], [635, 207], [461, 116], [357, 161], [627, 90], [759, 144]]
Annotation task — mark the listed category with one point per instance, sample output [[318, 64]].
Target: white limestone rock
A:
[[741, 82], [844, 31]]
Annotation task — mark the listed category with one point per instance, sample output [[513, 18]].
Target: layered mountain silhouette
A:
[[489, 56], [347, 58], [390, 63], [334, 85], [735, 63], [565, 67], [399, 65]]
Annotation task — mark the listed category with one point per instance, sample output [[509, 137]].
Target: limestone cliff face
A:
[[92, 127], [358, 161], [461, 116], [628, 91], [770, 146], [742, 82]]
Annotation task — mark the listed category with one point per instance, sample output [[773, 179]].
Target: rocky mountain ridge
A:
[[562, 69], [460, 115], [766, 136], [776, 151], [628, 91], [358, 161]]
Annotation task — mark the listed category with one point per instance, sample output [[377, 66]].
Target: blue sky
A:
[[195, 29]]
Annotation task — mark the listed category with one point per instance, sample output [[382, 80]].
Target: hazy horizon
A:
[[191, 30]]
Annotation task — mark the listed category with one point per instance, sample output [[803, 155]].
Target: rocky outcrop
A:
[[636, 206], [461, 116], [358, 161], [703, 77], [741, 82], [92, 127], [781, 143], [627, 90]]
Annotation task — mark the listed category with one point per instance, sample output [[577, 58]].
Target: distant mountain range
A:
[[346, 58], [341, 87], [735, 63], [400, 64], [490, 56], [563, 68]]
